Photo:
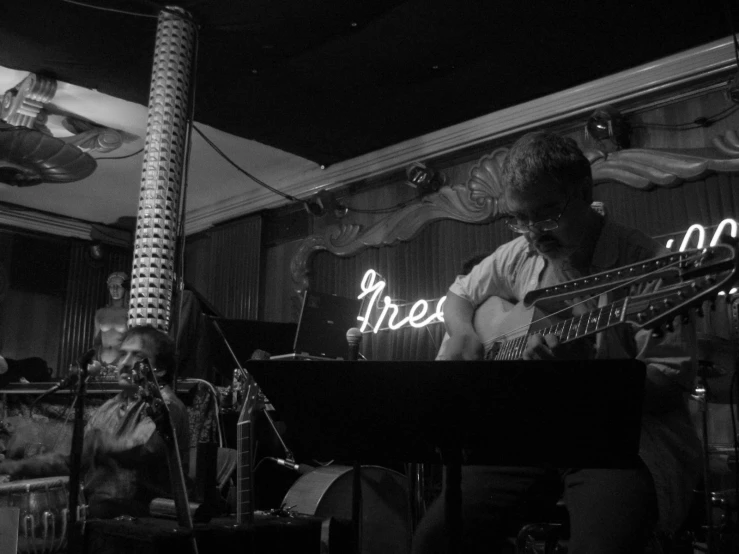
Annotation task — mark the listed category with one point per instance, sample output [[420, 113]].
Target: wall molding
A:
[[660, 78], [43, 222], [477, 199]]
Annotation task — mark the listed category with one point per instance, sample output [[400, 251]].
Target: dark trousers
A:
[[612, 511]]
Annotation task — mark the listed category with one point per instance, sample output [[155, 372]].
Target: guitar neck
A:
[[568, 330], [244, 454]]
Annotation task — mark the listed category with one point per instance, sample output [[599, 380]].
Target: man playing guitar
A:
[[548, 185]]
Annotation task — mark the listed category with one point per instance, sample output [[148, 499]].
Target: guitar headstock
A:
[[705, 275], [669, 268]]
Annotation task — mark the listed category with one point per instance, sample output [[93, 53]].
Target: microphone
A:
[[294, 466], [353, 338], [71, 379]]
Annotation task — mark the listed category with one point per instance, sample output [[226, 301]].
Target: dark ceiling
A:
[[333, 79]]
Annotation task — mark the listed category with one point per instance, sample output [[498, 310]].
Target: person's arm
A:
[[140, 446], [43, 465], [463, 343], [144, 445]]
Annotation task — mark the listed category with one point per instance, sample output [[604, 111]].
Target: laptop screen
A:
[[324, 321]]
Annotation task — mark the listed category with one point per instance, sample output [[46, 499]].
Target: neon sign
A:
[[372, 286], [700, 231], [423, 312]]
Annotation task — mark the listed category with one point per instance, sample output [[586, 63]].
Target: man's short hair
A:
[[544, 157], [161, 344]]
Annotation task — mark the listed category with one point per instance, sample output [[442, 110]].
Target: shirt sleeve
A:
[[493, 276]]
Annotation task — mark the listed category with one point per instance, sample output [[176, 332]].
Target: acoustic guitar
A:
[[687, 280]]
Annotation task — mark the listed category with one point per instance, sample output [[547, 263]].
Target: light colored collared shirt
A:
[[669, 444]]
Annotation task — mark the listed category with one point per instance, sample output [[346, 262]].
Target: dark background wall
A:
[[242, 268], [52, 289]]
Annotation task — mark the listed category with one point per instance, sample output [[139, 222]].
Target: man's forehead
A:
[[533, 201]]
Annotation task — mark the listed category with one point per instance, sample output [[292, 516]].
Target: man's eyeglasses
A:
[[550, 224]]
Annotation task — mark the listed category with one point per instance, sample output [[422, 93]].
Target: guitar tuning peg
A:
[[669, 327], [657, 333]]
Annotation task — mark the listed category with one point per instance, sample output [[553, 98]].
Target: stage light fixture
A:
[[608, 124], [423, 178]]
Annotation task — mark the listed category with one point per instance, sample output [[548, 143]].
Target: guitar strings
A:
[[615, 287]]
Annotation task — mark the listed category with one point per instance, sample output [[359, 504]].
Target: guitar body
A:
[[497, 321], [695, 276]]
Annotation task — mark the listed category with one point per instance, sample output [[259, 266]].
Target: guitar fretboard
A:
[[568, 330], [244, 454]]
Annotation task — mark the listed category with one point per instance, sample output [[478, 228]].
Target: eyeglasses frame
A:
[[538, 225]]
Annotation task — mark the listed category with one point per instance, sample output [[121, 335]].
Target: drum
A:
[[43, 504], [327, 492]]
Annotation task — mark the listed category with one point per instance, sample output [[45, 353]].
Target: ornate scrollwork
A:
[[23, 105], [476, 200], [646, 168]]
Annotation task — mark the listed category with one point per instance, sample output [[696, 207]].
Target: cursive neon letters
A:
[[372, 286]]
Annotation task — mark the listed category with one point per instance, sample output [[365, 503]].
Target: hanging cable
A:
[[695, 124], [241, 170]]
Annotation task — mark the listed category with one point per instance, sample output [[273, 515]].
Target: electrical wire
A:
[[112, 10], [242, 170], [153, 5], [695, 124], [181, 238]]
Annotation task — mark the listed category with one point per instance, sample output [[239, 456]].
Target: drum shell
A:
[[44, 512], [327, 492]]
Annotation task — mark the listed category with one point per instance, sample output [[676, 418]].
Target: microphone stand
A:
[[75, 465]]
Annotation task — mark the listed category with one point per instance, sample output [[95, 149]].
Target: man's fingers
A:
[[537, 348]]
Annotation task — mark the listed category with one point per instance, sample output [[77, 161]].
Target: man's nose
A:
[[534, 232]]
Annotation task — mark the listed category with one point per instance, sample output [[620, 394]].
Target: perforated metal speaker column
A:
[[161, 178]]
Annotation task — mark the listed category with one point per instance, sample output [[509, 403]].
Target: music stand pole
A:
[[357, 507], [452, 460], [75, 465]]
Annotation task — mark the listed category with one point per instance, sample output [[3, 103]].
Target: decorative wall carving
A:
[[476, 200]]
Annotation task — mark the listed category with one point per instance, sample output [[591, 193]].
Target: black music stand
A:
[[564, 413]]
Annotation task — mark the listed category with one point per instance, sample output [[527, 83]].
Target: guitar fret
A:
[[567, 330], [601, 313], [568, 333], [521, 346]]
